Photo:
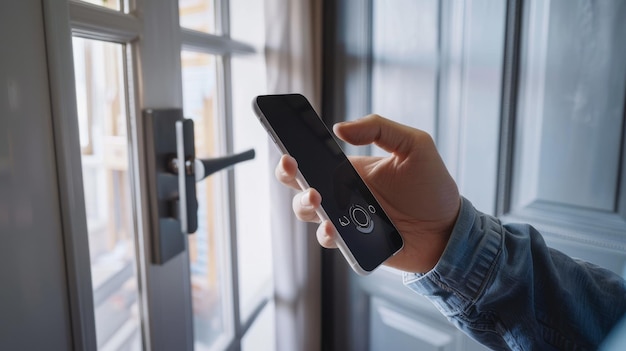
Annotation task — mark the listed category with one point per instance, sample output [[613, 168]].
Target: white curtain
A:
[[293, 59]]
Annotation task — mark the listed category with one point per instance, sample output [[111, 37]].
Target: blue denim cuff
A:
[[466, 265]]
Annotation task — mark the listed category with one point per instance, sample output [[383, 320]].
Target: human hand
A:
[[412, 185]]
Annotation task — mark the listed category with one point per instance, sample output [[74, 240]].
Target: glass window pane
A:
[[245, 22], [210, 276], [262, 334], [252, 178], [251, 182], [102, 118], [198, 15], [111, 4]]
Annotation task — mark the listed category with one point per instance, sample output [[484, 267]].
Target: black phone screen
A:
[[349, 204]]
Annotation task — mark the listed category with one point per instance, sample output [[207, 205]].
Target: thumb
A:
[[391, 136]]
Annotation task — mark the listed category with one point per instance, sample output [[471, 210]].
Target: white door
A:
[[78, 75]]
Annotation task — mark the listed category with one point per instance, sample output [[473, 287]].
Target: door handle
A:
[[172, 172], [190, 170]]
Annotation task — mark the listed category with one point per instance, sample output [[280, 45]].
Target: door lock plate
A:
[[168, 239]]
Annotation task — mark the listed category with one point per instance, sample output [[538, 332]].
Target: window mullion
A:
[[213, 44], [226, 85], [225, 113]]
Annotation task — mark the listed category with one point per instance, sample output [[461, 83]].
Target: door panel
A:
[[569, 140], [568, 146], [34, 297]]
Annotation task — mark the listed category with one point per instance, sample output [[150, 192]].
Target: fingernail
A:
[[305, 200]]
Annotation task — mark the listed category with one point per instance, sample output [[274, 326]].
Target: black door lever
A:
[[212, 165]]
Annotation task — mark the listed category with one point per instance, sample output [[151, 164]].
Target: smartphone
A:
[[367, 237]]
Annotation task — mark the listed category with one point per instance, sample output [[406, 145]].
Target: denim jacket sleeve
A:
[[504, 287]]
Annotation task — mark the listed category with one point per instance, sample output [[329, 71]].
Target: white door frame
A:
[[164, 290]]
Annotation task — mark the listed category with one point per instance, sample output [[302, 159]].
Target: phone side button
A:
[[268, 132]]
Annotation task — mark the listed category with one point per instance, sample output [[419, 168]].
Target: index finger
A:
[[286, 171], [391, 136]]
